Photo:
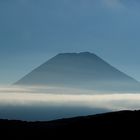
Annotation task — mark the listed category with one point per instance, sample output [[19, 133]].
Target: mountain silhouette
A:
[[80, 70], [109, 125]]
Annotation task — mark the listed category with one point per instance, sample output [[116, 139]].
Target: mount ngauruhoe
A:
[[80, 70]]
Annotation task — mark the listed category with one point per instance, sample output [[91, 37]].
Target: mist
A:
[[49, 103]]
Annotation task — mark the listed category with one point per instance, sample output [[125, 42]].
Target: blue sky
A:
[[32, 31]]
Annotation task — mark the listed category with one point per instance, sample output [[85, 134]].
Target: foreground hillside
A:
[[117, 123]]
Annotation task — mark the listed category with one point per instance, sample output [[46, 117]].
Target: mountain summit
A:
[[80, 70]]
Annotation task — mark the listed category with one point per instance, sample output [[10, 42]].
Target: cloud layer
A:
[[30, 104]]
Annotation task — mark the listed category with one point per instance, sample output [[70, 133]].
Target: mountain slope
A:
[[80, 70]]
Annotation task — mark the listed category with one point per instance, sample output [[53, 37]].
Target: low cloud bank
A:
[[41, 103]]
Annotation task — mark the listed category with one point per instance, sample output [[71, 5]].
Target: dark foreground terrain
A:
[[108, 125]]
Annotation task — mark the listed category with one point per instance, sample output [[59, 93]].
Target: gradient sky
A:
[[32, 31]]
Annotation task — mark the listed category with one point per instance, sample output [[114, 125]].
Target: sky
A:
[[32, 31]]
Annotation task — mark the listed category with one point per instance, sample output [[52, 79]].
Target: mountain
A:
[[114, 124], [80, 70]]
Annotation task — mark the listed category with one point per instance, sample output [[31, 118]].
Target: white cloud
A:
[[114, 3], [40, 103], [72, 97]]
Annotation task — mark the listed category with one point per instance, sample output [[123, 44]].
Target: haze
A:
[[40, 103], [33, 31]]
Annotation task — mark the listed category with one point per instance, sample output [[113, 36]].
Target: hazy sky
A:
[[32, 31]]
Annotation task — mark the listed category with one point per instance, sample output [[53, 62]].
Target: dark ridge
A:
[[117, 123]]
